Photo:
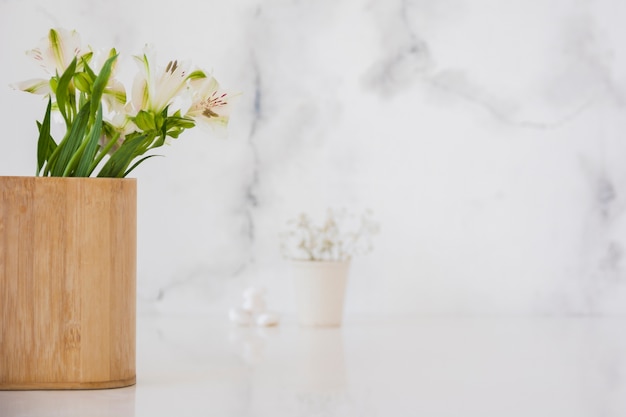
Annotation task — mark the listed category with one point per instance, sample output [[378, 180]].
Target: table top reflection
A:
[[374, 366]]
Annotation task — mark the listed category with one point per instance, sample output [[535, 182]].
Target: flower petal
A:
[[55, 52], [211, 106], [35, 86], [114, 95], [140, 93]]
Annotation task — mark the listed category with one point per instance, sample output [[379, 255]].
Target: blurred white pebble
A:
[[240, 316], [254, 305], [267, 319], [253, 310], [254, 292]]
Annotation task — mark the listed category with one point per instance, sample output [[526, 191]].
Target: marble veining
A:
[[404, 55], [487, 137]]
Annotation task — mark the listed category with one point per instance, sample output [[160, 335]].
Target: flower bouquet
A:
[[105, 130]]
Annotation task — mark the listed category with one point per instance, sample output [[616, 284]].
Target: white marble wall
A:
[[488, 136]]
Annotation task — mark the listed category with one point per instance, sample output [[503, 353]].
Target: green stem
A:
[[104, 151], [55, 154], [74, 160]]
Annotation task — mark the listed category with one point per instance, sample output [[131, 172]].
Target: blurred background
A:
[[488, 137]]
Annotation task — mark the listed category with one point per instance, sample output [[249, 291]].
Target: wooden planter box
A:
[[67, 282]]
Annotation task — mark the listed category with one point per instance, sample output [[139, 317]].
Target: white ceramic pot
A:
[[320, 291]]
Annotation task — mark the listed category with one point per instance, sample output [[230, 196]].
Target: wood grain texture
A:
[[67, 282]]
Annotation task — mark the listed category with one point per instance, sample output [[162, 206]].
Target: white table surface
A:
[[505, 367]]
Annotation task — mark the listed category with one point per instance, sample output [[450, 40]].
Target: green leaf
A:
[[174, 133], [43, 144], [159, 142], [137, 164], [114, 138], [54, 83], [116, 166], [181, 122], [100, 83], [87, 69], [63, 92], [51, 142], [145, 121], [162, 123], [82, 81], [91, 147], [161, 126], [108, 129], [159, 122], [82, 99], [71, 143]]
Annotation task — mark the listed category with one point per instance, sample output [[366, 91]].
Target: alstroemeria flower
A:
[[34, 86], [154, 90], [83, 92], [114, 95], [54, 54], [210, 105]]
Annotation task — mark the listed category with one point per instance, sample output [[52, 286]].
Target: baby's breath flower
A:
[[339, 237]]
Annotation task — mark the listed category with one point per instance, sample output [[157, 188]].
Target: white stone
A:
[[240, 316], [254, 292], [254, 305], [254, 300], [267, 319]]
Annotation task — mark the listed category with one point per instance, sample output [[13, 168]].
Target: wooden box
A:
[[67, 283]]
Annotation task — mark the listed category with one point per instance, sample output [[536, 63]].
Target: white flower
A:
[[34, 86], [155, 89], [210, 105], [54, 54], [341, 236]]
